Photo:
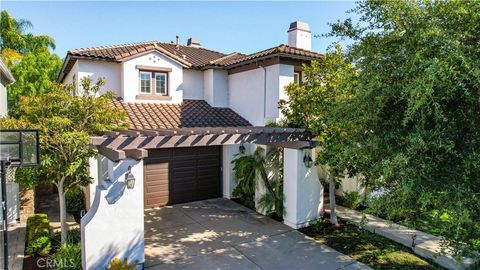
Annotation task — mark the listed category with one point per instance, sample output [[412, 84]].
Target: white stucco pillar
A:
[[114, 225], [229, 183], [303, 193]]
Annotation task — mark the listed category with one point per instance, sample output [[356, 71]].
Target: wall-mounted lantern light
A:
[[129, 178], [241, 149], [307, 160]]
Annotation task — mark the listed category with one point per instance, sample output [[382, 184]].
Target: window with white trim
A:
[[161, 84], [145, 82], [154, 83]]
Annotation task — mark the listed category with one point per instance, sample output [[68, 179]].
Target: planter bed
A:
[[366, 247]]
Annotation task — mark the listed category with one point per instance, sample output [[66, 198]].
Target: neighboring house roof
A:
[[187, 56], [5, 72], [191, 113]]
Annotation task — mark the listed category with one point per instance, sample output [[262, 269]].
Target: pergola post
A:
[[303, 193]]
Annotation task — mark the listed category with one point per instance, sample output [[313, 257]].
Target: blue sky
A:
[[224, 26]]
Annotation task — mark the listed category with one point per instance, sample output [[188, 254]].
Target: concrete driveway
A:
[[221, 234]]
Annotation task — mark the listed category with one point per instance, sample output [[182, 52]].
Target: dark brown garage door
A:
[[179, 175]]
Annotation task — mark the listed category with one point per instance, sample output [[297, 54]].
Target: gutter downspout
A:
[[264, 92]]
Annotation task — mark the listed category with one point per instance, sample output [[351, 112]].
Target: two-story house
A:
[[190, 110]]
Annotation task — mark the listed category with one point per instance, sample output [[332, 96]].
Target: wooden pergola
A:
[[135, 143]]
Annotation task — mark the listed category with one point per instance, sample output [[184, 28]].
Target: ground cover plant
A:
[[371, 249]]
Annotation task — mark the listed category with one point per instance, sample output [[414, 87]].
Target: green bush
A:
[[352, 199], [75, 200], [38, 235], [73, 237], [69, 256]]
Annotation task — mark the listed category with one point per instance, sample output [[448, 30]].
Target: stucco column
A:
[[229, 183], [303, 193], [114, 225]]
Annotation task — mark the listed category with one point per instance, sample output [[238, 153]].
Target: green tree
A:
[[317, 104], [416, 110], [66, 123], [33, 65]]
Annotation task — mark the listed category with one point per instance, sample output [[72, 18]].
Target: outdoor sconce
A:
[[307, 160], [241, 148], [129, 178]]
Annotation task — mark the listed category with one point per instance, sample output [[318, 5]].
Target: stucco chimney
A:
[[299, 35], [193, 42]]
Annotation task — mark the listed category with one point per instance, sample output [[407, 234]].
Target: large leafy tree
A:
[[66, 123], [318, 104], [416, 110], [33, 65]]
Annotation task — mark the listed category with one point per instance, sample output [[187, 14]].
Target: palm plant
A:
[[252, 168]]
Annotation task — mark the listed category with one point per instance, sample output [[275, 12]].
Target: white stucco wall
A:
[[131, 82], [3, 98], [192, 84], [68, 79], [114, 225], [13, 203], [301, 188], [100, 69], [215, 87], [249, 88], [229, 182]]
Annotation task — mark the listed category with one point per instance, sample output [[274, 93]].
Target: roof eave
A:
[[6, 72]]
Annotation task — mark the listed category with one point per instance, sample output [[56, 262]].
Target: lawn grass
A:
[[366, 247]]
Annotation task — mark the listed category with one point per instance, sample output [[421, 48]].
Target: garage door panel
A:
[[157, 188], [182, 175], [157, 201]]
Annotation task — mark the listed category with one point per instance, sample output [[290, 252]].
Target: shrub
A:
[[69, 256], [73, 237], [352, 199], [117, 264], [319, 225], [75, 200], [38, 235]]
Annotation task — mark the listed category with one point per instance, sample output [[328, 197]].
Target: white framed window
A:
[[161, 84], [154, 83], [145, 82]]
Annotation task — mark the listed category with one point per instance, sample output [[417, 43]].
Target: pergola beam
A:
[[134, 143], [112, 154]]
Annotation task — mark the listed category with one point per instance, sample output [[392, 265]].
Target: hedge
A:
[[38, 235]]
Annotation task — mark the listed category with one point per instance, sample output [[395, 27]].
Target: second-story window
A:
[[161, 84], [153, 83], [145, 82]]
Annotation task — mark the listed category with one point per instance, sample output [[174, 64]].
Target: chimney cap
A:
[[193, 41], [299, 25]]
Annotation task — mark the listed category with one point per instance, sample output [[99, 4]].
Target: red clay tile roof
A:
[[280, 49], [189, 57], [191, 113]]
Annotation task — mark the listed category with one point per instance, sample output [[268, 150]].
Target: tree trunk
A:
[[63, 213], [331, 194]]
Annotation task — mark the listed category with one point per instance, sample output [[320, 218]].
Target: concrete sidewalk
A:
[[423, 244], [221, 234], [16, 247]]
